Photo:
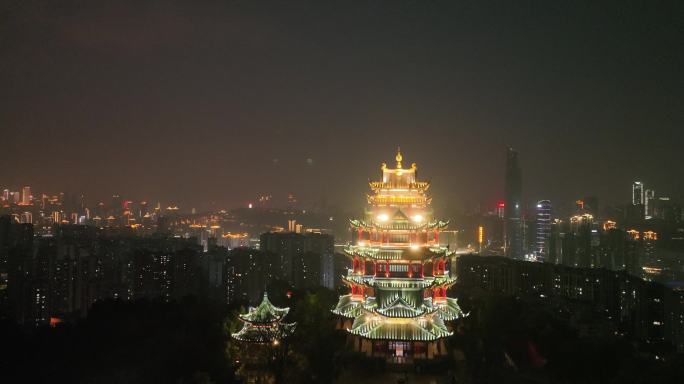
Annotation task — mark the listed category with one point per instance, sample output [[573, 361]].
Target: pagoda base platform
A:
[[398, 351]]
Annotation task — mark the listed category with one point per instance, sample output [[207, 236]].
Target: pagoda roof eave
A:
[[450, 310], [399, 224], [257, 335], [398, 282], [443, 280], [348, 307], [399, 308], [376, 327]]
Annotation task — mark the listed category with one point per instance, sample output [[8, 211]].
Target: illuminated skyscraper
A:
[[500, 209], [513, 206], [667, 210], [649, 203], [638, 193], [581, 242], [397, 305], [26, 196], [543, 228]]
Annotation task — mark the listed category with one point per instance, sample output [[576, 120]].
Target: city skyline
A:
[[250, 102], [23, 196]]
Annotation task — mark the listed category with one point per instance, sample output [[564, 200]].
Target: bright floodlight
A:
[[383, 217], [418, 218]]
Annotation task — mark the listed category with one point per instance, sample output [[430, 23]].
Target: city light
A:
[[216, 192]]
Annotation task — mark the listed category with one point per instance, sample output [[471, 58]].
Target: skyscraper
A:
[[543, 228], [638, 193], [513, 205], [26, 196], [649, 203]]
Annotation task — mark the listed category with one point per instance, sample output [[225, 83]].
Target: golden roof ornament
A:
[[399, 157]]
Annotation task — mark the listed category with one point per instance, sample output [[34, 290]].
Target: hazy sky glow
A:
[[222, 100]]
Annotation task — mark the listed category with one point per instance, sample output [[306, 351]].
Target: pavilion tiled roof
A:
[[263, 324], [264, 313]]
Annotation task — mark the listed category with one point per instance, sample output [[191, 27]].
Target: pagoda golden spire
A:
[[399, 157]]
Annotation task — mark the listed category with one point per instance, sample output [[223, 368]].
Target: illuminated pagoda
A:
[[264, 324], [397, 306]]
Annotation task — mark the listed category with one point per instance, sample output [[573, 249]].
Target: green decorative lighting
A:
[[398, 279], [264, 324]]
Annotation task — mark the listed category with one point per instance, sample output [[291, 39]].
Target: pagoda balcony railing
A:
[[387, 253], [399, 282], [398, 200], [418, 186]]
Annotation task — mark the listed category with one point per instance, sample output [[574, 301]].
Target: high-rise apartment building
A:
[[649, 204], [543, 228], [304, 259], [26, 196], [638, 193], [513, 207]]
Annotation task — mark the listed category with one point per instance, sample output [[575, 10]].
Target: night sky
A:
[[219, 101]]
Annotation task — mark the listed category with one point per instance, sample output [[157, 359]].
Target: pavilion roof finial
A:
[[399, 157]]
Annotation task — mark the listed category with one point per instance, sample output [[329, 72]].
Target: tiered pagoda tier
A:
[[264, 324], [397, 306]]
